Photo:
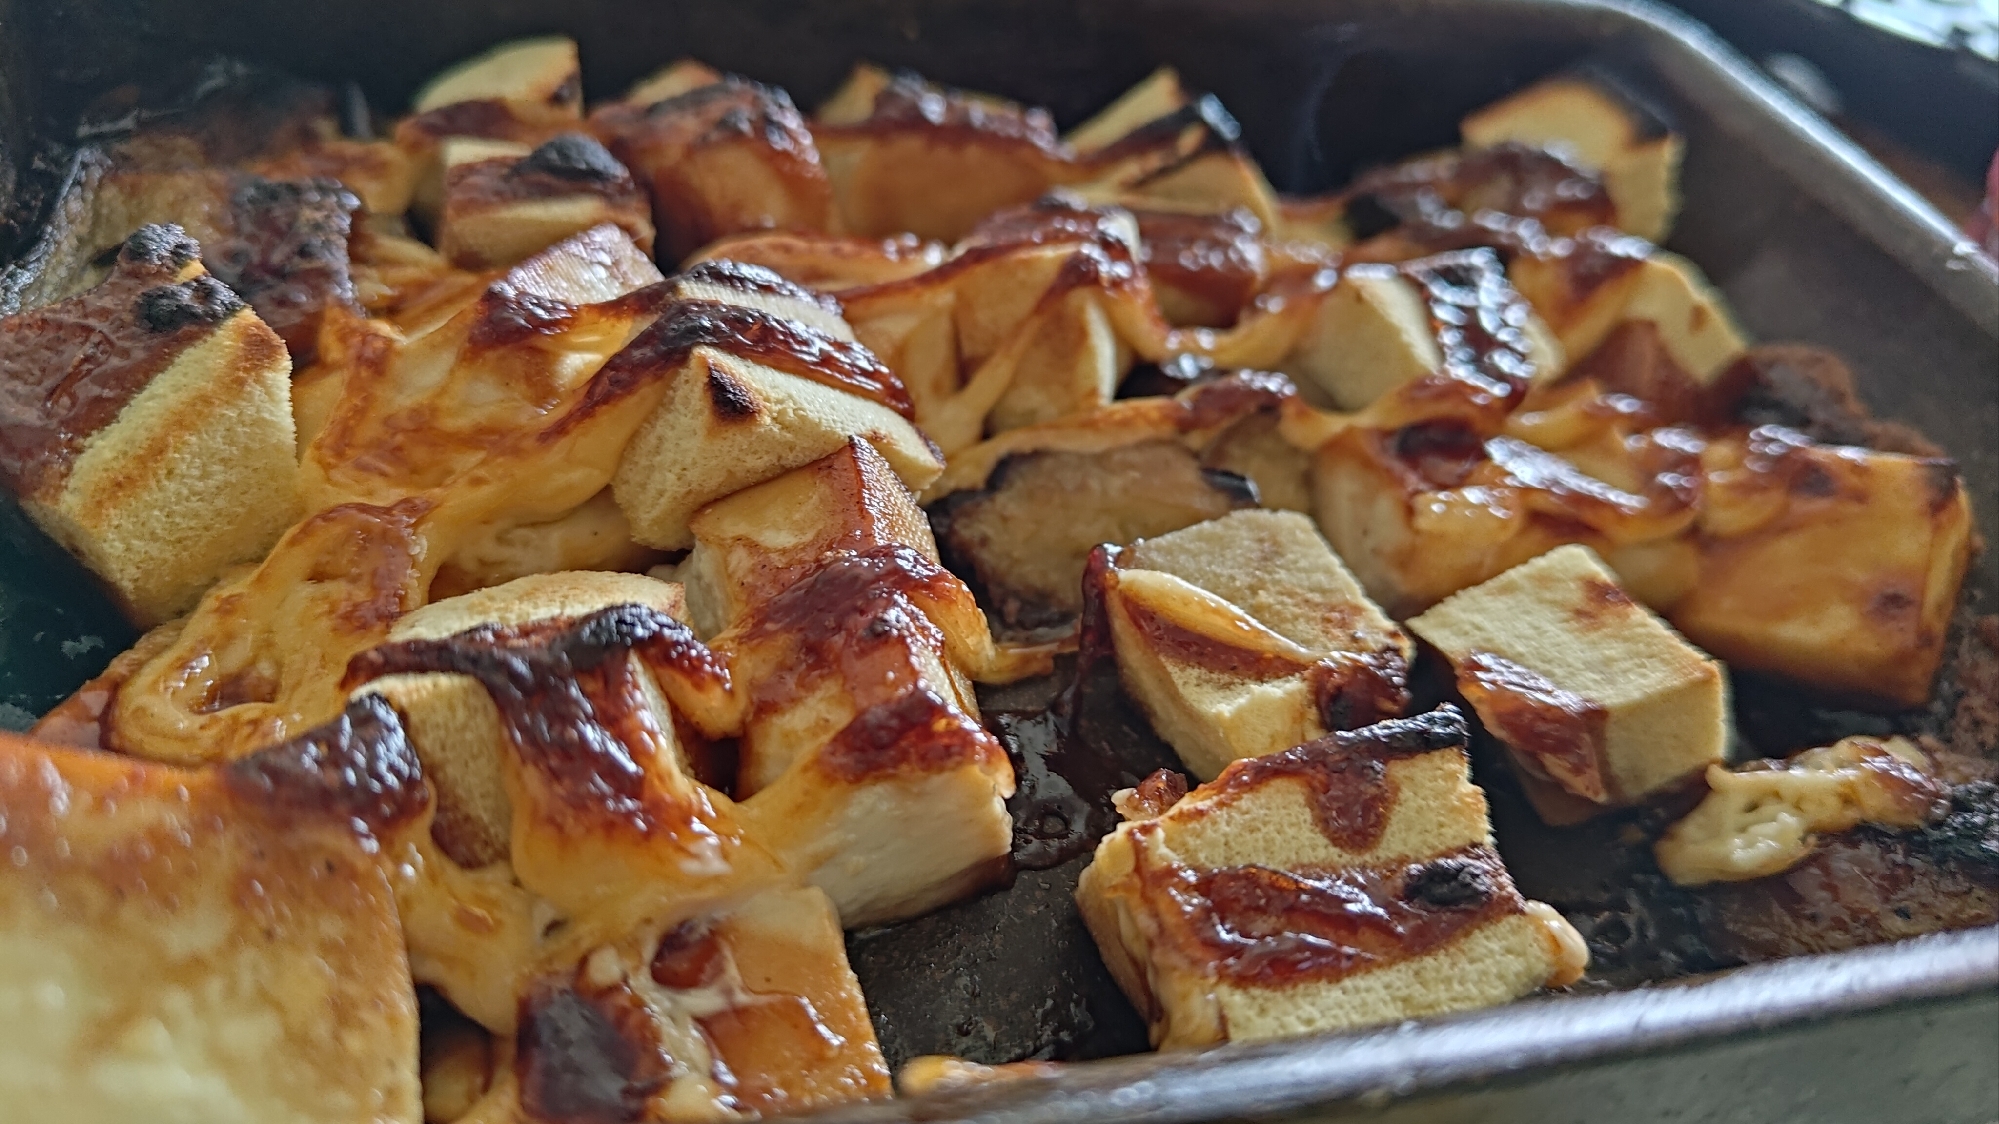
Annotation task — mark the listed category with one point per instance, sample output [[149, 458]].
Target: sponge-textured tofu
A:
[[746, 1012], [1587, 688], [1605, 129], [544, 71], [863, 762], [1383, 326], [451, 720], [603, 720], [904, 155], [754, 544], [217, 945], [148, 426], [1837, 566], [749, 397], [500, 209], [1347, 882], [1245, 635], [721, 158]]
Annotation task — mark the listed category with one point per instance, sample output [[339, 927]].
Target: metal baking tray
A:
[[1808, 237]]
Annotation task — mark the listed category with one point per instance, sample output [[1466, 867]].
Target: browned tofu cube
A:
[[750, 395], [721, 158], [754, 544], [1606, 130], [1833, 565], [1586, 688], [501, 209], [1245, 635], [219, 945], [905, 155], [1347, 882], [746, 1012], [148, 426]]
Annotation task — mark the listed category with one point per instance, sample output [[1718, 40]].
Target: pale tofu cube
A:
[[217, 944], [1226, 914], [1587, 688], [541, 72], [1692, 317], [1245, 635]]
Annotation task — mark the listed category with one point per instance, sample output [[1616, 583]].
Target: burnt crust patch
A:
[[574, 156], [198, 300]]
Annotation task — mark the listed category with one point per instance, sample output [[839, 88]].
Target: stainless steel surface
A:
[[1807, 235]]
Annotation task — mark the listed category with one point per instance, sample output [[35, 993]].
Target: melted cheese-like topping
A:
[[1760, 821]]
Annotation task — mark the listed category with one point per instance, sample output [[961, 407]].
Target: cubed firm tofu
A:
[[1600, 703], [1245, 635], [1347, 882]]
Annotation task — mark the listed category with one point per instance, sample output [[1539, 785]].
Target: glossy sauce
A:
[[1263, 927], [760, 337], [67, 370], [1478, 319], [858, 620], [1558, 732], [570, 164], [908, 102], [1347, 772], [1216, 259], [570, 699]]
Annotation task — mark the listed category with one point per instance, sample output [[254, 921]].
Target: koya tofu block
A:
[[1587, 688]]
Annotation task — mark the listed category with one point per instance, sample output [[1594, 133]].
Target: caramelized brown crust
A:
[[1204, 268], [855, 621], [67, 370], [286, 253], [1347, 772], [685, 147], [1261, 927], [571, 701]]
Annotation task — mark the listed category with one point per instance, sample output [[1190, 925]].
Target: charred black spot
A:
[[1813, 481], [1442, 728], [1448, 884], [1240, 489], [577, 1066], [732, 400], [360, 764], [200, 300], [1969, 832], [573, 156], [160, 244]]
